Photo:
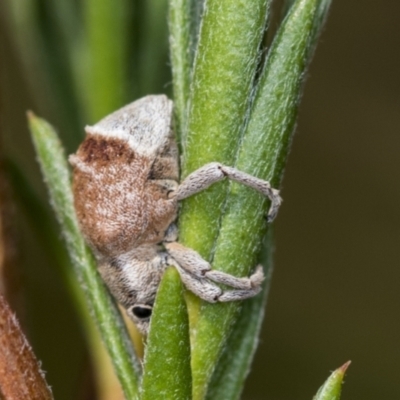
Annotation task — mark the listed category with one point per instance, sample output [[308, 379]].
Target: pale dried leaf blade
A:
[[20, 374]]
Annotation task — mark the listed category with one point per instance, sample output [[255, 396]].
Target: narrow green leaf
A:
[[232, 369], [67, 16], [319, 21], [106, 314], [106, 23], [180, 49], [42, 223], [167, 373], [287, 4], [332, 387], [153, 71], [223, 74], [196, 13], [35, 36], [21, 15], [262, 153], [35, 210]]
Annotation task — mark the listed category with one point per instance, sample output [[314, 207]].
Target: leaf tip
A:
[[344, 367], [30, 115], [33, 120]]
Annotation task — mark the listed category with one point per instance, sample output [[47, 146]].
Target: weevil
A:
[[126, 196]]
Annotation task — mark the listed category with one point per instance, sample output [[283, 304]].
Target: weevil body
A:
[[126, 193]]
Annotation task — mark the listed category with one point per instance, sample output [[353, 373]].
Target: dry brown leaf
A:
[[20, 374]]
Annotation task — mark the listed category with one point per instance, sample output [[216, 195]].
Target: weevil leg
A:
[[201, 287], [210, 292], [199, 277], [236, 295], [214, 172]]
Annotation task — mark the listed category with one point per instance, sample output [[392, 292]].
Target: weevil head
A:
[[140, 314], [133, 280]]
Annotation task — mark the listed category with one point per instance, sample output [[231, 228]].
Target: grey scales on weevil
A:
[[126, 193]]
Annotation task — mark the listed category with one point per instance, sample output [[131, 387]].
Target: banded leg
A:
[[214, 172], [200, 278]]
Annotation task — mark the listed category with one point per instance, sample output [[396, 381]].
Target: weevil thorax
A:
[[124, 172], [134, 281]]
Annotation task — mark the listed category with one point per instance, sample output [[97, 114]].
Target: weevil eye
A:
[[142, 312]]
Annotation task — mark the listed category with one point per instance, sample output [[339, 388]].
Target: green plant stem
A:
[[167, 373], [103, 308]]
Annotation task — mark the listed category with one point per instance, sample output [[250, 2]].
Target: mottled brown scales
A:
[[97, 149], [114, 196]]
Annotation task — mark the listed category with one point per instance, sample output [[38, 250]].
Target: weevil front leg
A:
[[213, 172], [199, 277]]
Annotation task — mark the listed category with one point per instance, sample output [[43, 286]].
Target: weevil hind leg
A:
[[210, 292], [201, 287], [214, 172], [236, 295], [200, 278], [251, 282]]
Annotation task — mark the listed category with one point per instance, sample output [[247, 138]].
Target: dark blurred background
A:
[[335, 291]]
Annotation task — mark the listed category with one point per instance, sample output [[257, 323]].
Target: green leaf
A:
[[223, 74], [105, 56], [153, 71], [45, 229], [232, 369], [37, 38], [180, 48], [287, 4], [167, 373], [332, 387], [263, 151], [39, 216], [106, 314]]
